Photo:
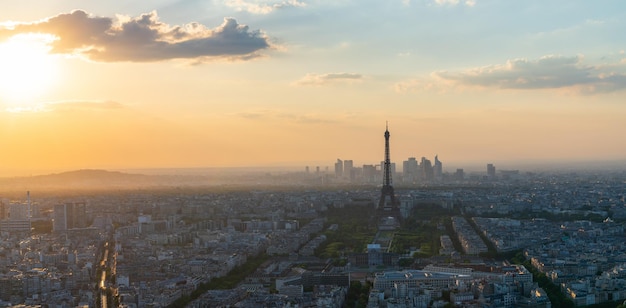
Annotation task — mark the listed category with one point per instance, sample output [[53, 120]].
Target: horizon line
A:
[[472, 166]]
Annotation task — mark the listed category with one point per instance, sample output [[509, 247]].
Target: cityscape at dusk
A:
[[306, 153], [169, 84]]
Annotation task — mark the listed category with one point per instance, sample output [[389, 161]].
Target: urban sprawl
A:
[[502, 238]]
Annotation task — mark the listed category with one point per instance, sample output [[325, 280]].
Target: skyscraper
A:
[[409, 170], [348, 165], [59, 222], [438, 169], [491, 171], [3, 210], [339, 168], [18, 211], [426, 170], [18, 217], [69, 216], [459, 175], [369, 173]]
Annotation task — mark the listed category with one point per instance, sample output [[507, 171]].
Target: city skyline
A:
[[130, 85]]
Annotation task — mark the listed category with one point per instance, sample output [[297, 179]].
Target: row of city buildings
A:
[[413, 171], [169, 243], [18, 216]]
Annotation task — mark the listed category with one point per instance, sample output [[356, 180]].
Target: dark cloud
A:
[[144, 38], [550, 72]]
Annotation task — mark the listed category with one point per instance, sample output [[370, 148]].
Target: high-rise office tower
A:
[[339, 168], [387, 189], [426, 169], [438, 169], [59, 222], [18, 217], [369, 173], [459, 175], [3, 210], [392, 167], [348, 165], [69, 216], [18, 211], [491, 171], [409, 170]]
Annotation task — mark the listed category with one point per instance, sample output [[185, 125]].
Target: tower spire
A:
[[387, 189]]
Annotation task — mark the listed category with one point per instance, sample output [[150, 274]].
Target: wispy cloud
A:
[[255, 114], [455, 2], [68, 106], [22, 109], [84, 105], [549, 72], [443, 3], [262, 7], [143, 38], [267, 114], [430, 83], [325, 79]]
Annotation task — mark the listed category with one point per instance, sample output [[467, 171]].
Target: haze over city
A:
[[307, 153], [171, 84]]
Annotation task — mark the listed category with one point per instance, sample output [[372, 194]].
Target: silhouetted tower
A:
[[387, 190]]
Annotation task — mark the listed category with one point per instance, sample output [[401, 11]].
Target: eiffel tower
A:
[[387, 190]]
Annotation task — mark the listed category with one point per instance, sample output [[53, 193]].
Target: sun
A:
[[27, 70]]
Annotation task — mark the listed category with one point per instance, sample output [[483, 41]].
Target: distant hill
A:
[[87, 174], [92, 179], [90, 175], [96, 180]]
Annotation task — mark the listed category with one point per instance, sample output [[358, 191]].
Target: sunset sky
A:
[[231, 83]]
